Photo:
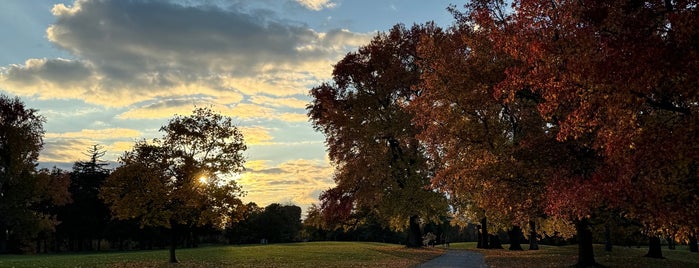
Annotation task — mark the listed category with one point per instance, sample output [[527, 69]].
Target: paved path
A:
[[457, 258]]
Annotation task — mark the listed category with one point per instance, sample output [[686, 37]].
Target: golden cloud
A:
[[256, 135], [97, 134], [65, 151], [256, 164], [167, 109], [68, 147], [316, 4], [279, 102], [293, 117], [297, 181]]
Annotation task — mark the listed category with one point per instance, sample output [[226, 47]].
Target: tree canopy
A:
[[617, 85], [180, 181], [25, 192], [380, 165]]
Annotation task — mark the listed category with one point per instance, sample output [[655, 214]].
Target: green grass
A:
[[565, 256], [313, 254]]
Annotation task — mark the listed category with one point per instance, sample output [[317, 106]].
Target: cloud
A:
[[120, 146], [293, 117], [167, 108], [68, 147], [259, 164], [279, 102], [64, 150], [256, 135], [297, 181], [243, 111], [97, 134], [316, 4], [69, 150], [130, 52]]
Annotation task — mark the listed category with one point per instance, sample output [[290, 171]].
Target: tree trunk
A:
[[607, 238], [586, 255], [533, 245], [480, 238], [654, 250], [173, 244], [3, 239], [514, 236], [495, 242], [484, 233], [414, 233], [671, 242], [693, 247]]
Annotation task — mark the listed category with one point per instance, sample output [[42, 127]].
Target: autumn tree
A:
[[52, 195], [380, 164], [484, 148], [180, 181], [23, 189], [618, 79]]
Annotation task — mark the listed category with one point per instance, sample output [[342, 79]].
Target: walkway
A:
[[457, 258]]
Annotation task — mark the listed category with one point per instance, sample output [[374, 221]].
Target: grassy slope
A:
[[314, 254], [565, 256]]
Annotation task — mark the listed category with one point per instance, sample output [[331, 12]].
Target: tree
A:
[[486, 150], [279, 223], [52, 190], [87, 217], [380, 164], [618, 79], [24, 191], [179, 181], [242, 231]]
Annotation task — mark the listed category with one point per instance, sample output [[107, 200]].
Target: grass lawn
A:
[[312, 254], [565, 256]]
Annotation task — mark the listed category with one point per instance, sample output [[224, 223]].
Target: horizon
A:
[[113, 72]]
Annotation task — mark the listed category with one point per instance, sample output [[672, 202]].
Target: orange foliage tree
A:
[[489, 153], [380, 165]]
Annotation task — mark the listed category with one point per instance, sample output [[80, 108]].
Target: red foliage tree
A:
[[618, 79], [490, 153]]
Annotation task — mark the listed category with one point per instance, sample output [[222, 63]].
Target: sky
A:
[[111, 72]]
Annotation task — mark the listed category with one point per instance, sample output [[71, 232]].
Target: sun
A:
[[203, 180]]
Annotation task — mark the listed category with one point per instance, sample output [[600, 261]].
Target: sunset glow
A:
[[102, 73]]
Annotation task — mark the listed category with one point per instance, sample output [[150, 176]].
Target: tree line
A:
[[541, 118], [526, 116], [173, 190]]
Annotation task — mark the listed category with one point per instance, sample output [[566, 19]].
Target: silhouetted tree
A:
[[178, 182], [279, 223], [23, 190], [86, 218]]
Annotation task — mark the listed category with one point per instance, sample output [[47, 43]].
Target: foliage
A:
[[26, 194], [619, 78], [617, 85], [179, 181], [380, 165], [275, 223], [493, 156], [87, 217]]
